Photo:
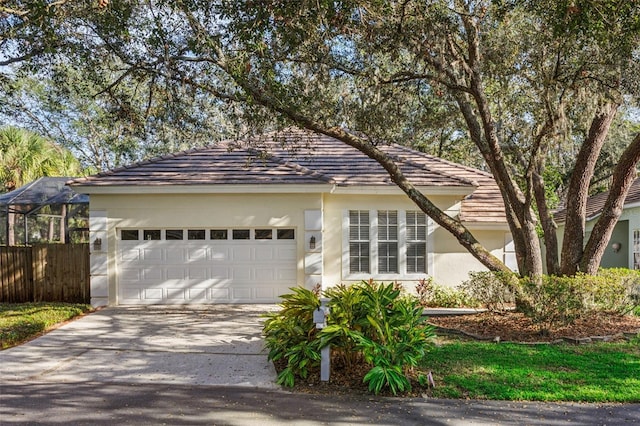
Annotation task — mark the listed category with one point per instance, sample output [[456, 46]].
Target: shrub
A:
[[551, 300], [618, 290], [431, 295], [494, 290], [367, 322]]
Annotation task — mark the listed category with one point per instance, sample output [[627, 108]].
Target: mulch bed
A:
[[515, 327]]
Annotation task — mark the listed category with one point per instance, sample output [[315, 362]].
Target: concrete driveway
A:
[[215, 345]]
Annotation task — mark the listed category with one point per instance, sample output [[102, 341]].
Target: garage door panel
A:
[[152, 274], [241, 253], [175, 273], [130, 275], [265, 274], [151, 254], [220, 294], [242, 273], [198, 273], [174, 255], [197, 254], [176, 294], [153, 294], [265, 254], [241, 293], [197, 294], [286, 254], [129, 255]]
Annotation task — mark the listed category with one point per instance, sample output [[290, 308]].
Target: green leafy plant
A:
[[432, 295], [367, 322], [290, 334]]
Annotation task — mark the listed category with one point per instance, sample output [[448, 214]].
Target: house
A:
[[623, 250], [243, 223]]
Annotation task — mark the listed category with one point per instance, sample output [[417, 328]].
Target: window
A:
[[174, 234], [263, 234], [386, 244], [241, 234], [359, 241], [286, 234], [218, 234], [387, 241], [416, 242], [636, 249], [151, 234], [196, 234], [129, 235]]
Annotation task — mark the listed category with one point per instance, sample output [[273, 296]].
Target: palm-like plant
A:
[[26, 156]]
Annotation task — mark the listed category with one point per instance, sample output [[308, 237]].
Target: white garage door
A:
[[180, 266]]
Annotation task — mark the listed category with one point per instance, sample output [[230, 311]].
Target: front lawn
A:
[[603, 372], [23, 321]]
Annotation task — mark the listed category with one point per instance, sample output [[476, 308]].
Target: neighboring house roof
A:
[[41, 192], [299, 157], [595, 203]]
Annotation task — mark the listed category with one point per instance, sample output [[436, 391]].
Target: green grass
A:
[[23, 321], [603, 372]]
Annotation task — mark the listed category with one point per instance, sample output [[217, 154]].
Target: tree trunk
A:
[[623, 177], [578, 190]]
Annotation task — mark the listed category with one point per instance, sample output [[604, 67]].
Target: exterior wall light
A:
[[616, 247], [312, 242], [97, 244]]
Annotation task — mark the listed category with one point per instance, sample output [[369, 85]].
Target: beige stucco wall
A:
[[449, 262], [200, 210]]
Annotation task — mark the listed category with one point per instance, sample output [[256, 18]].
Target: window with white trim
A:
[[387, 242], [359, 241], [636, 249], [416, 242]]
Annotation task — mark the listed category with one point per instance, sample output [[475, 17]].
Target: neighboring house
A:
[[243, 224], [623, 250]]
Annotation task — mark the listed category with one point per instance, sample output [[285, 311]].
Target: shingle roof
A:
[[595, 203], [299, 157]]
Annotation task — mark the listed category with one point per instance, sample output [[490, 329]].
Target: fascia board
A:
[[201, 189]]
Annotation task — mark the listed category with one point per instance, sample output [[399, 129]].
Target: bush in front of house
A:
[[432, 295], [557, 300], [368, 322]]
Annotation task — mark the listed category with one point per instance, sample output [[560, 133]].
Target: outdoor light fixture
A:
[[97, 244], [312, 242], [616, 247]]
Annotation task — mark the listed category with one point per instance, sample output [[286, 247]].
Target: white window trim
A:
[[402, 275]]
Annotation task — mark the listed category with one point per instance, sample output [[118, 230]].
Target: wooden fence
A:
[[45, 273]]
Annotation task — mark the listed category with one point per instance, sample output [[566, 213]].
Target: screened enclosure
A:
[[44, 211]]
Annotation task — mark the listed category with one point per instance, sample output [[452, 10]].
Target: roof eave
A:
[[253, 188]]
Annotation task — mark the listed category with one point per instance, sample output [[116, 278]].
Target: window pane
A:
[[129, 234], [151, 234], [218, 234], [241, 234], [286, 234], [359, 257], [174, 234], [387, 257], [416, 257], [196, 234], [264, 234]]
